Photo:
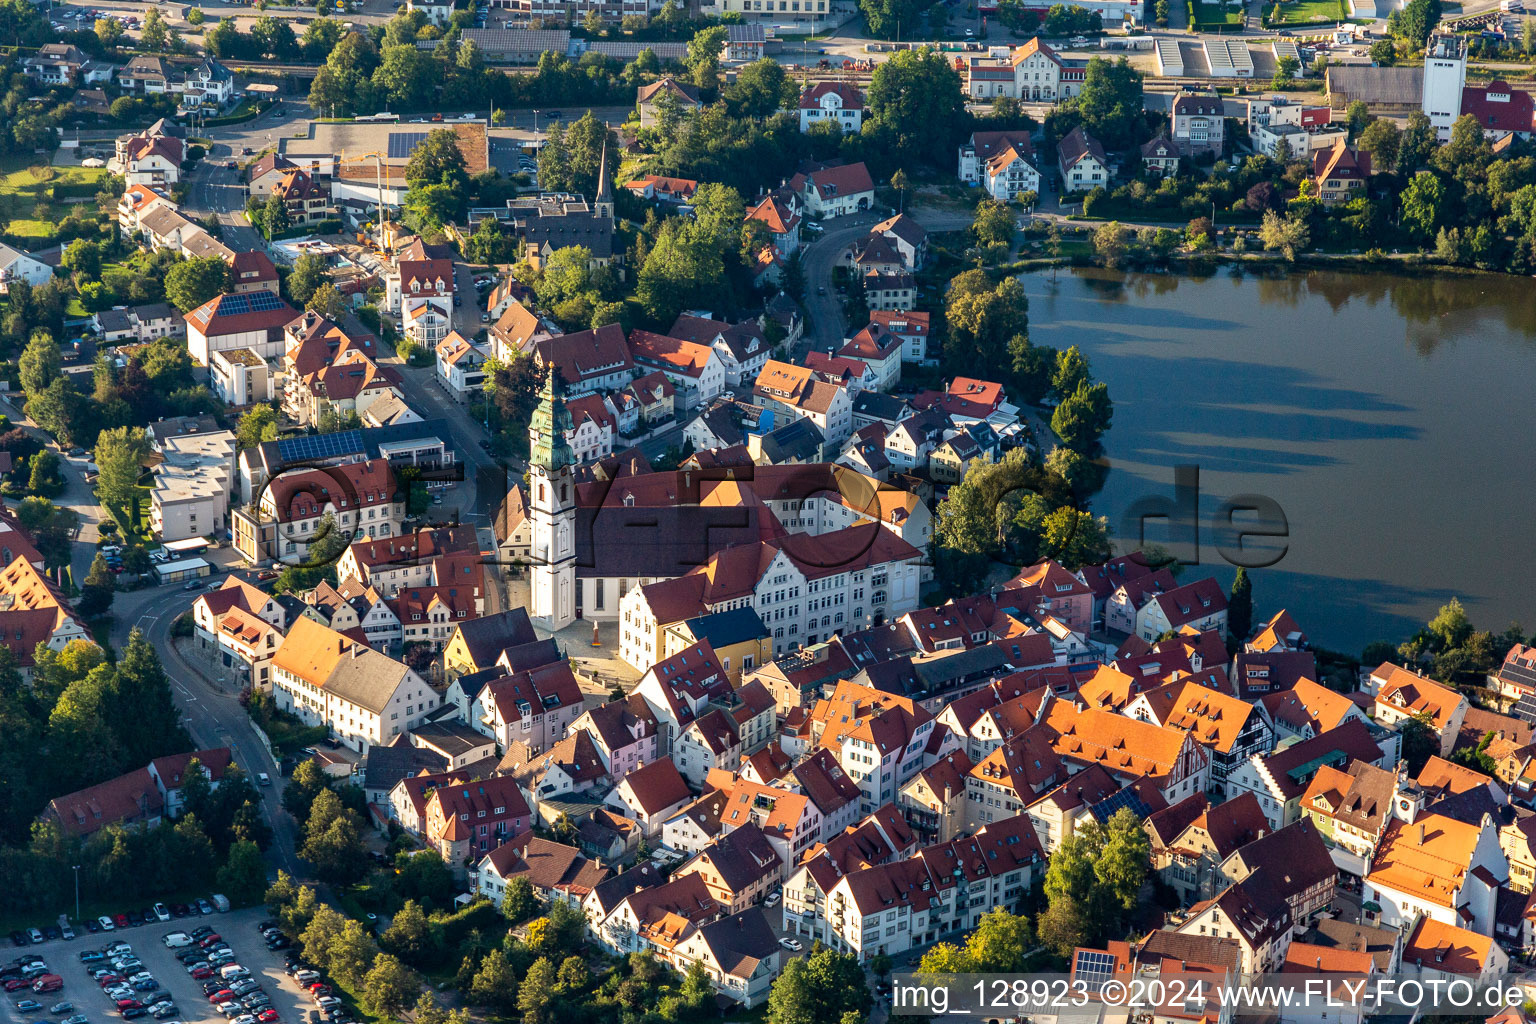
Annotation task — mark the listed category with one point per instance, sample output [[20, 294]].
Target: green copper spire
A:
[[549, 425]]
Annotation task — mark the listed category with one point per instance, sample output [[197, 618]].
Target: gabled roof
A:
[[1078, 145], [656, 786], [849, 96], [1415, 694]]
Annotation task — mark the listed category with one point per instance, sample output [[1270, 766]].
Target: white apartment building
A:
[[192, 485], [363, 697]]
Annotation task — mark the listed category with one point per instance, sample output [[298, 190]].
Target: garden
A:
[[35, 201]]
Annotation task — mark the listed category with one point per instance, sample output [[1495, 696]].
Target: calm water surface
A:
[[1391, 416]]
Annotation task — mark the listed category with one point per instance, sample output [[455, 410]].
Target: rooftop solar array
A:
[[249, 302], [1105, 809], [401, 144], [1093, 968], [312, 447]]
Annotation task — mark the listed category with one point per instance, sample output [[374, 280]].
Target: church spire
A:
[[603, 206], [547, 429]]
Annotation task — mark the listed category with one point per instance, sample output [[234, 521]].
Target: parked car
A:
[[19, 938], [35, 935], [78, 1018], [204, 907], [91, 956], [134, 1013], [64, 1007], [162, 912], [29, 1006]]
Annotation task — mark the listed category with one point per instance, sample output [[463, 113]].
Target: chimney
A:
[[1421, 834]]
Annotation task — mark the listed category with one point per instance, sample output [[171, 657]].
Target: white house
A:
[[835, 191], [460, 366], [837, 103], [1082, 162], [363, 697], [16, 265]]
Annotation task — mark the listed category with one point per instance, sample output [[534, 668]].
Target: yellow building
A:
[[739, 638]]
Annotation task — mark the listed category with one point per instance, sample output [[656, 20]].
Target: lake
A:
[[1391, 416]]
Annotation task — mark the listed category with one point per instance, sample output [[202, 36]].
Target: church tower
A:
[[603, 205], [552, 508]]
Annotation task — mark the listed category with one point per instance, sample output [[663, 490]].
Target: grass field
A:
[[1215, 14], [26, 196], [1303, 12]]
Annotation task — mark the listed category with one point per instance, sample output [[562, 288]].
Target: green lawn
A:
[[1302, 12], [1214, 14], [26, 196]]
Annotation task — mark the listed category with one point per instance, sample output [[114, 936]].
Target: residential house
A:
[[742, 348], [1160, 157], [33, 611], [1082, 162], [1199, 122], [651, 100], [1280, 780], [738, 869], [696, 371], [834, 191], [1340, 173], [650, 795], [460, 366], [840, 104], [1439, 868], [1401, 694], [364, 698]]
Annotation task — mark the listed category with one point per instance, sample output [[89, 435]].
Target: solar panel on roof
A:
[[320, 446], [1104, 810], [1093, 968], [401, 144]]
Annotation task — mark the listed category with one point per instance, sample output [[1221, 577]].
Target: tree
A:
[[327, 301], [309, 272], [423, 876], [243, 877], [1422, 202], [1109, 243], [1415, 21], [1064, 926], [1075, 538], [1420, 741], [703, 59], [390, 986], [1240, 608], [1071, 371], [45, 478], [274, 216], [1381, 139], [52, 528], [761, 89], [96, 591], [915, 105], [885, 18], [1287, 70], [350, 953], [437, 160], [40, 363], [1110, 101], [192, 282], [404, 76], [1287, 234], [494, 983], [790, 1000], [1384, 53], [983, 318], [109, 31], [994, 223], [274, 37], [1083, 416], [1418, 142], [519, 902], [324, 927], [489, 244], [409, 933], [83, 256], [536, 994], [320, 38], [154, 35], [120, 456], [256, 426]]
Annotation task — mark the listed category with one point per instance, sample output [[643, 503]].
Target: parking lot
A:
[[238, 928]]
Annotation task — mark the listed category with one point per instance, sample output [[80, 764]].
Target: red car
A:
[[128, 1004], [209, 940], [14, 984], [223, 995], [121, 920], [203, 972], [108, 979], [320, 988], [268, 1016]]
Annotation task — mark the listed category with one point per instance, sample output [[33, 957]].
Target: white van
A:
[[233, 972], [177, 940]]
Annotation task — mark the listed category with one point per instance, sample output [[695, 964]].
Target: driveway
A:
[[238, 928]]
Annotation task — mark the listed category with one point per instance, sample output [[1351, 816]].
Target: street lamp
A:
[[77, 891]]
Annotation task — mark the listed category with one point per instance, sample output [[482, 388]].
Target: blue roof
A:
[[312, 447], [722, 629]]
